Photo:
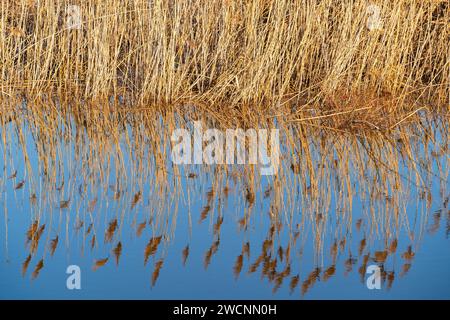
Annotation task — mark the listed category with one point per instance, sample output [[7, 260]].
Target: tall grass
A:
[[261, 53]]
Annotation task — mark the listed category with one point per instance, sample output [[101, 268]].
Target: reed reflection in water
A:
[[101, 192]]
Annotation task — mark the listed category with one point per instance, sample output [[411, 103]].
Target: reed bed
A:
[[253, 56]]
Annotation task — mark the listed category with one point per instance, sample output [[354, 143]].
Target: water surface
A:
[[107, 198]]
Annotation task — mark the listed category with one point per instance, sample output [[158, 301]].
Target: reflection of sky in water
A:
[[428, 277]]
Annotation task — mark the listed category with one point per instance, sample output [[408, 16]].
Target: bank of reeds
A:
[[256, 55]]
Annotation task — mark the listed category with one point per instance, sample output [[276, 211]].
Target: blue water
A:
[[175, 214]]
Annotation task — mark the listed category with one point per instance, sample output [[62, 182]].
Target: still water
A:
[[103, 195]]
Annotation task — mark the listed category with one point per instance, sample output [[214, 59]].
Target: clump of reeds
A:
[[261, 53], [107, 158]]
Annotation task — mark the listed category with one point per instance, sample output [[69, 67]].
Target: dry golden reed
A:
[[259, 53], [99, 263], [151, 248]]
